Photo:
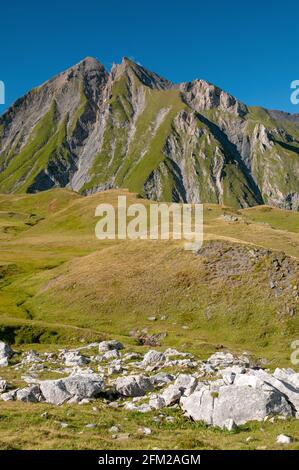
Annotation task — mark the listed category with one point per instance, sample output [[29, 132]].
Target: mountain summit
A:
[[90, 130]]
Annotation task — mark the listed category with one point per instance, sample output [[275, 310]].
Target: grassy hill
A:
[[59, 285], [54, 270]]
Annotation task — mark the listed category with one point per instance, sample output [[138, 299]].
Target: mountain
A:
[[90, 130]]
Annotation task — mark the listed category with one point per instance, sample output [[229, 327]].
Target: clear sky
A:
[[250, 49]]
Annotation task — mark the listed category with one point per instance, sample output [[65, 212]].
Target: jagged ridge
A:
[[90, 130]]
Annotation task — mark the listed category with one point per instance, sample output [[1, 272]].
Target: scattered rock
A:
[[223, 359], [29, 394], [74, 386], [54, 391], [31, 357], [109, 345], [114, 429], [5, 354], [157, 402], [151, 340], [74, 358], [153, 358], [109, 355], [239, 403], [143, 408], [162, 378], [144, 430], [283, 439], [9, 396], [133, 385], [186, 384], [171, 395]]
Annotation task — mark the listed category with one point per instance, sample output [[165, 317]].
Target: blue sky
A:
[[250, 49]]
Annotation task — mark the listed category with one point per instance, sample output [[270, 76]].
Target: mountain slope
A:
[[90, 130]]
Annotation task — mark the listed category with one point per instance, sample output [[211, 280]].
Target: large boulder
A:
[[237, 403], [245, 403], [133, 385], [84, 386], [31, 357], [199, 405], [283, 386], [54, 391], [79, 386], [5, 354]]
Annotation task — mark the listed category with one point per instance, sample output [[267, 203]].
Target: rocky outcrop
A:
[[239, 403], [226, 390], [5, 354]]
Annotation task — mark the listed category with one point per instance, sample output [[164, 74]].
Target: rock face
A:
[[192, 142]]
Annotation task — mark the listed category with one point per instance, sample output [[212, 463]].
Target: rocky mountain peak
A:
[[145, 76], [89, 130]]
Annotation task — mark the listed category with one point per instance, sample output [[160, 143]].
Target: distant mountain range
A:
[[90, 130]]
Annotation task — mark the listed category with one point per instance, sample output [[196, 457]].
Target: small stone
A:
[[109, 345], [170, 419], [230, 425], [91, 426], [114, 429], [283, 439], [144, 430], [123, 436]]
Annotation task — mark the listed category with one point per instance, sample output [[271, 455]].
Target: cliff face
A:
[[90, 130]]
